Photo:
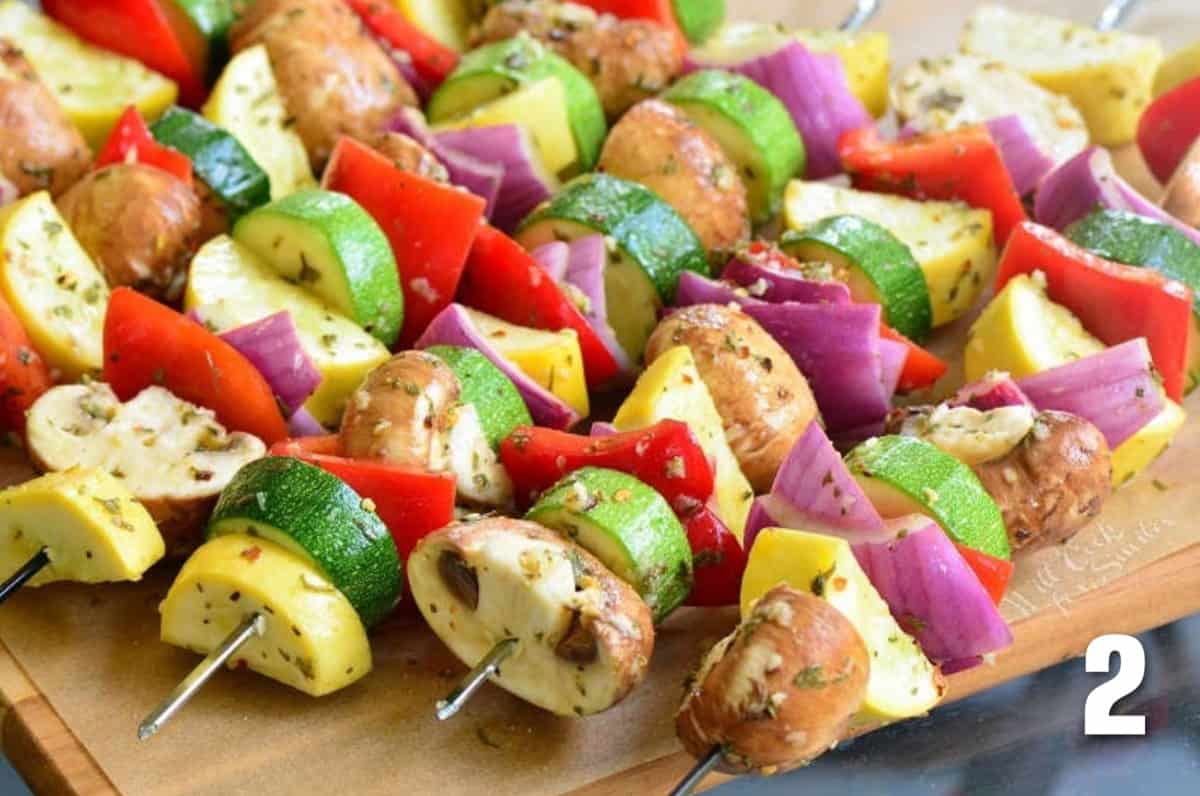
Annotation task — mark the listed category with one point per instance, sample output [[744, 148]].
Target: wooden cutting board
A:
[[79, 667]]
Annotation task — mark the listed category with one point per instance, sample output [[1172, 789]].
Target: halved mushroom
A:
[[173, 456], [584, 637]]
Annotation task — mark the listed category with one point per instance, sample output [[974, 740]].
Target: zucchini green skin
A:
[[769, 150], [699, 19], [879, 256], [647, 229], [496, 399], [212, 18], [364, 256], [521, 60], [223, 163], [318, 513], [628, 526], [943, 486], [1131, 239]]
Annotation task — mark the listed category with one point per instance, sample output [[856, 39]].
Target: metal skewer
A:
[[30, 568], [474, 679], [701, 770], [255, 625], [861, 15], [1114, 14]]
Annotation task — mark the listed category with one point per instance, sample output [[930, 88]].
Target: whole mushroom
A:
[[780, 690]]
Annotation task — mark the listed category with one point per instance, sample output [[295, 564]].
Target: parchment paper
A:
[[95, 654]]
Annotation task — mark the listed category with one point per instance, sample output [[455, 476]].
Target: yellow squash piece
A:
[[1109, 76], [1023, 332], [541, 110], [230, 286], [92, 529], [55, 289], [950, 241], [448, 21], [92, 85], [1179, 67], [313, 640], [671, 388], [866, 57], [245, 101], [903, 683], [552, 359], [1139, 451]]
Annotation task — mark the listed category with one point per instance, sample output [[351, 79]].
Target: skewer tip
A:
[[702, 769]]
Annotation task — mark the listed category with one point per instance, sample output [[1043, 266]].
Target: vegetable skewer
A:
[[1114, 14], [699, 771], [255, 625], [31, 567], [861, 15], [447, 708]]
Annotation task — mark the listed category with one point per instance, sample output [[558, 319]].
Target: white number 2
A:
[[1097, 716]]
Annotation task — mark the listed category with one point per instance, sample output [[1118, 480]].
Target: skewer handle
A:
[[474, 679], [701, 770], [255, 625], [861, 15], [31, 567], [1114, 14]]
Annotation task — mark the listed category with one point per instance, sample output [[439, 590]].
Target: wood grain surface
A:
[[78, 667]]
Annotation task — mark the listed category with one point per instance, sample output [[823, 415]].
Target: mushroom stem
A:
[[466, 688], [699, 771]]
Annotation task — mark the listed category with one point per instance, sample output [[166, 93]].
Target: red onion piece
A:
[[932, 592], [1089, 181], [1114, 389], [273, 346]]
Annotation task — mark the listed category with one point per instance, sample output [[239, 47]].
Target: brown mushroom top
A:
[[1052, 483], [778, 691], [403, 412], [139, 223], [657, 145], [627, 60], [39, 147], [764, 401], [335, 79]]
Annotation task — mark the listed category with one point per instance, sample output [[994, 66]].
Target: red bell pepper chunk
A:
[[504, 280], [299, 447], [994, 573], [961, 164], [411, 503], [718, 561], [432, 60], [1114, 302], [666, 456], [131, 141], [147, 343], [430, 226], [921, 368], [660, 11], [156, 32], [1169, 127], [23, 373]]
